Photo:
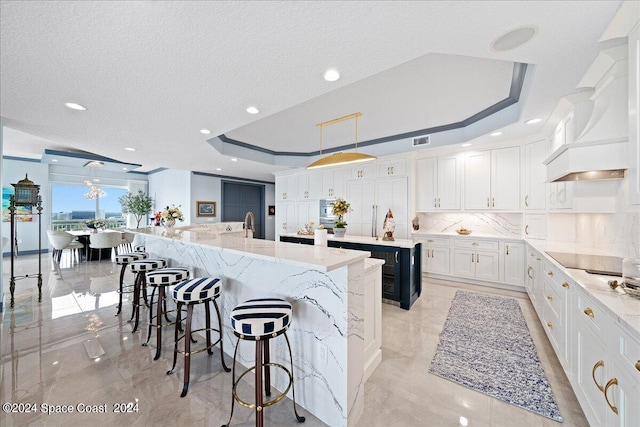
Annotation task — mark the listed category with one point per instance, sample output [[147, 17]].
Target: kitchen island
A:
[[327, 288]]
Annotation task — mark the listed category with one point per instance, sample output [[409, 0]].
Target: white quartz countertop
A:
[[419, 235], [315, 257], [623, 307], [398, 243]]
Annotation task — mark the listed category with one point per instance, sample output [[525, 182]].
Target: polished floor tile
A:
[[71, 348]]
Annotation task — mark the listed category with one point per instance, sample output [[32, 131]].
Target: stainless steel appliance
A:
[[327, 217], [595, 264]]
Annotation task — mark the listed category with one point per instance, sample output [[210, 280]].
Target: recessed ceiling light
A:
[[129, 149], [533, 121], [125, 169], [233, 159], [466, 144], [75, 106], [513, 39], [218, 169], [253, 110], [496, 134], [54, 160], [205, 131], [331, 75]]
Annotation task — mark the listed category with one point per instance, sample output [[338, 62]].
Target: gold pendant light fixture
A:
[[341, 158]]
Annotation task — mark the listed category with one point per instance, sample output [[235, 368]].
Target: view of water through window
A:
[[71, 206]]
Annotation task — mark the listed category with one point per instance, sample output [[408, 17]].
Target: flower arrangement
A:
[[95, 223], [341, 207], [170, 215]]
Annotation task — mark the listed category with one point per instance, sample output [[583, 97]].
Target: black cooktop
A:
[[595, 264]]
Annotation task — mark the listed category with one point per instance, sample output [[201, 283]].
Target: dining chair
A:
[[104, 240], [127, 241], [61, 240]]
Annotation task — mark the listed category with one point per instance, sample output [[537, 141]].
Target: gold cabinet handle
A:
[[474, 244], [550, 325], [599, 364], [549, 297], [565, 285], [526, 200], [588, 312], [612, 381], [487, 202], [531, 277], [550, 273], [638, 365], [430, 240], [526, 231], [507, 249], [493, 202]]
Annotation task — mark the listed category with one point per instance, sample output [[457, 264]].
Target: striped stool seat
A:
[[167, 276], [189, 293], [139, 248], [124, 260], [266, 317], [160, 279], [147, 264], [197, 290], [260, 320]]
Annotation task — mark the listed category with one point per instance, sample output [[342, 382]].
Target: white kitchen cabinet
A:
[[372, 325], [286, 221], [286, 187], [477, 259], [397, 167], [307, 212], [533, 280], [361, 197], [436, 254], [514, 260], [438, 183], [333, 183], [309, 185], [535, 175], [363, 171], [623, 393], [535, 226], [556, 293], [492, 180], [560, 195], [392, 194]]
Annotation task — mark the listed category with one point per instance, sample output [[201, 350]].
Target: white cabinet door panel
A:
[[449, 173], [505, 179], [487, 266], [477, 180]]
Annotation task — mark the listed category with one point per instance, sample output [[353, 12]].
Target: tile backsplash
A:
[[490, 224]]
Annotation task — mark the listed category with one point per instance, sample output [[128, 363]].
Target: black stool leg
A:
[[124, 267], [258, 384], [293, 387], [224, 365], [161, 302], [136, 301], [267, 369], [187, 351], [233, 381], [150, 318], [207, 323], [175, 338]]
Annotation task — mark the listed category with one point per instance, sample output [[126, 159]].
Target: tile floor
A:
[[50, 355]]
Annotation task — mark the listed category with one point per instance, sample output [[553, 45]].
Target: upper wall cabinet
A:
[[535, 175], [438, 183], [363, 171], [392, 168], [286, 187], [309, 185], [333, 183], [492, 179]]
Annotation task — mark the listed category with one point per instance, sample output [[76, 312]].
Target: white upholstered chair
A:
[[61, 240], [127, 241], [104, 240]]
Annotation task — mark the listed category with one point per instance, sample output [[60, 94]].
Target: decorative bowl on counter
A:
[[463, 231], [631, 277]]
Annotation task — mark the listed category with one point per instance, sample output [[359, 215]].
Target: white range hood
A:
[[600, 150]]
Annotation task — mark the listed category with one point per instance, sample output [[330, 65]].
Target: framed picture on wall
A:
[[206, 209]]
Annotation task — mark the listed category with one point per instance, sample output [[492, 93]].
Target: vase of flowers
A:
[[170, 215], [340, 208], [95, 224]]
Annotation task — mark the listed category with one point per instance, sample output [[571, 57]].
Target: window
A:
[[70, 207]]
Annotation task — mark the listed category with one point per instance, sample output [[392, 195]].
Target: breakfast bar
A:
[[326, 287]]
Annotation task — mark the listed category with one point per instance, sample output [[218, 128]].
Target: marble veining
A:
[[488, 224]]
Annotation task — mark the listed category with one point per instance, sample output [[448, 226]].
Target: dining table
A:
[[84, 237]]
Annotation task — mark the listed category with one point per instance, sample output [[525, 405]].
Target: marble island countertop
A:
[[315, 257], [397, 243], [624, 307]]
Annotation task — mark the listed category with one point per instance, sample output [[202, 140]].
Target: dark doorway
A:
[[238, 199]]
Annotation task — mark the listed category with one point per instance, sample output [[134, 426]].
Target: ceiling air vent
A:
[[421, 140]]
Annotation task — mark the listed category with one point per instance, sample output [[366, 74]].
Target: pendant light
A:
[[341, 158]]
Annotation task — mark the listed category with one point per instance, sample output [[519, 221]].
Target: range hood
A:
[[600, 149]]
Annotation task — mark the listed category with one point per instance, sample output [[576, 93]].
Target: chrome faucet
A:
[[248, 216]]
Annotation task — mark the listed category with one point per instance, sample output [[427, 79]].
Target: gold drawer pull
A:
[[549, 297], [612, 381], [550, 325], [598, 364], [588, 312], [550, 273], [638, 365], [565, 285]]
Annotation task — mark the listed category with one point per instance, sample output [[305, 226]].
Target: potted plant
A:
[[340, 208], [138, 205]]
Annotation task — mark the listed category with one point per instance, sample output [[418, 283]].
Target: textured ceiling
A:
[[153, 73]]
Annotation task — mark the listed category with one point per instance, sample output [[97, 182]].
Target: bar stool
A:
[[139, 248], [140, 268], [189, 293], [160, 279], [124, 260], [260, 320]]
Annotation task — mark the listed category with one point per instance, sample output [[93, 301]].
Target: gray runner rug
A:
[[485, 345]]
